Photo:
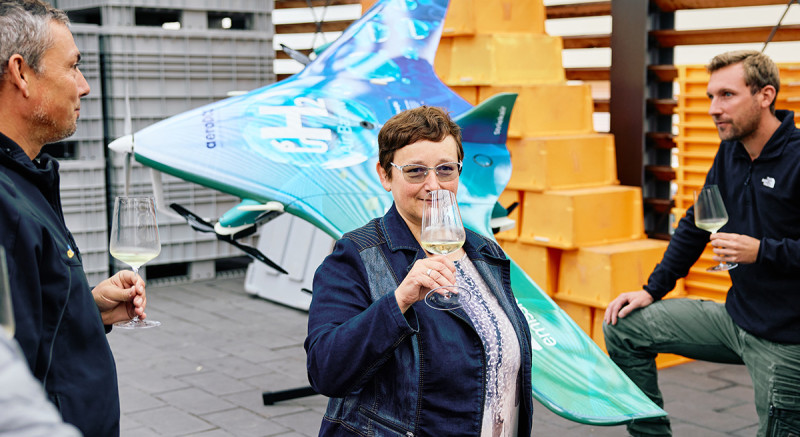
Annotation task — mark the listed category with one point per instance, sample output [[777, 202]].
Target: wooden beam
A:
[[661, 172], [664, 73], [326, 26], [674, 5], [586, 41], [292, 4], [663, 106], [660, 205], [672, 38], [576, 10], [588, 73], [602, 105], [661, 140]]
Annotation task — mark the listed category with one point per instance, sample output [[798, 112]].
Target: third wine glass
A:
[[710, 215], [134, 240]]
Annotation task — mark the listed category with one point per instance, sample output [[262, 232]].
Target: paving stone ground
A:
[[203, 372]]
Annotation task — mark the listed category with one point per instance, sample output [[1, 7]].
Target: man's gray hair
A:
[[25, 30]]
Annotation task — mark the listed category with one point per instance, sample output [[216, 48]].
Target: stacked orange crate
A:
[[697, 142], [564, 173]]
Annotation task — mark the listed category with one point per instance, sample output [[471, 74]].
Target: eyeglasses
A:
[[416, 173]]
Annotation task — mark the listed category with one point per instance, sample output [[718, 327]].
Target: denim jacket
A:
[[421, 373]]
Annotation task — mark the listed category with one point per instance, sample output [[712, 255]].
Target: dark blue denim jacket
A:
[[421, 373]]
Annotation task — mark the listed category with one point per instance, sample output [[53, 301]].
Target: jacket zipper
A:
[[385, 422]]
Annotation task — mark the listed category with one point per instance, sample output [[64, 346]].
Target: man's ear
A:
[[769, 94], [384, 177], [17, 71]]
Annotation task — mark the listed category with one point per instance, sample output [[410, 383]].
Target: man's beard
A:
[[742, 130], [49, 130]]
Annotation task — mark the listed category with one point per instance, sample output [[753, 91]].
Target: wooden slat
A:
[[660, 140], [327, 26], [291, 4], [602, 105], [674, 5], [661, 172], [672, 38], [592, 9], [586, 41], [660, 205], [663, 106], [664, 73], [588, 73]]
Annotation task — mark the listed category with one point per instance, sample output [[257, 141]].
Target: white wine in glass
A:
[[710, 215], [6, 308], [134, 240], [443, 233]]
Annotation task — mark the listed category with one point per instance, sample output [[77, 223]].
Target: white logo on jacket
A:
[[768, 182]]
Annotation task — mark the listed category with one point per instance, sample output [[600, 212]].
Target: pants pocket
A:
[[784, 410]]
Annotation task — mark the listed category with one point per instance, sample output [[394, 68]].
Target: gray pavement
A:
[[202, 373]]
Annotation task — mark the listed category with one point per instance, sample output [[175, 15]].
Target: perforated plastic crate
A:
[[83, 199]]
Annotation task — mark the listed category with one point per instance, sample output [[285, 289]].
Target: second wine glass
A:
[[710, 215], [134, 240], [443, 233]]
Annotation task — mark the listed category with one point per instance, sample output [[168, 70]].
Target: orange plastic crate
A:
[[562, 162], [569, 219], [596, 275]]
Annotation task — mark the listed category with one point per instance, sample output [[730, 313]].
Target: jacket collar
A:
[[399, 237], [774, 147], [43, 169]]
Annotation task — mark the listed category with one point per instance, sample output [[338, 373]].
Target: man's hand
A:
[[120, 297], [735, 248], [625, 303]]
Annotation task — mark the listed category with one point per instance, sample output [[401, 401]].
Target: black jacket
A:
[[762, 197], [58, 325]]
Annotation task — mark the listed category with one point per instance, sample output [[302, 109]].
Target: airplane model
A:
[[307, 146]]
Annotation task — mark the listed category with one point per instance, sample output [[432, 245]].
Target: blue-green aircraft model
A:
[[307, 146]]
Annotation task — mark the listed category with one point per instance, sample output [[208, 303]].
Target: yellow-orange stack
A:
[[697, 143], [579, 234]]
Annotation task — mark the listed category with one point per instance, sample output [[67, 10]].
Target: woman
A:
[[390, 364]]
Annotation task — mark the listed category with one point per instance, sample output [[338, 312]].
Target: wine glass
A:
[[443, 233], [134, 240], [6, 309], [710, 215]]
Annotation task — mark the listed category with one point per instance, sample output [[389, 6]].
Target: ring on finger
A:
[[429, 272]]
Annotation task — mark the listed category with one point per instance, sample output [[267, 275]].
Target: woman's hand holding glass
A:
[[425, 275]]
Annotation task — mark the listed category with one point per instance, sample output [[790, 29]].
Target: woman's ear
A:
[[384, 177]]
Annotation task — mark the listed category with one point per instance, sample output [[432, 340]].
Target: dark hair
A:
[[422, 123], [759, 70]]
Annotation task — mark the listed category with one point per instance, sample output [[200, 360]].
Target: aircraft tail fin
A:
[[488, 122]]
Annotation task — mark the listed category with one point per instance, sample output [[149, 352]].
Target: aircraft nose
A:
[[123, 144]]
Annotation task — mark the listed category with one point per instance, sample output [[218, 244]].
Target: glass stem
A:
[[135, 275]]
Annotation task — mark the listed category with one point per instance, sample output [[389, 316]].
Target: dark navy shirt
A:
[[58, 325], [762, 197]]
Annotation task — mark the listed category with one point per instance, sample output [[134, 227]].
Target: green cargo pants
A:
[[703, 330]]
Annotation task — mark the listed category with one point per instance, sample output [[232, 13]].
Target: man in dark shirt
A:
[[757, 170], [59, 319]]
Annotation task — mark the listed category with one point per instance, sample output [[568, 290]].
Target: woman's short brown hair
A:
[[422, 123]]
